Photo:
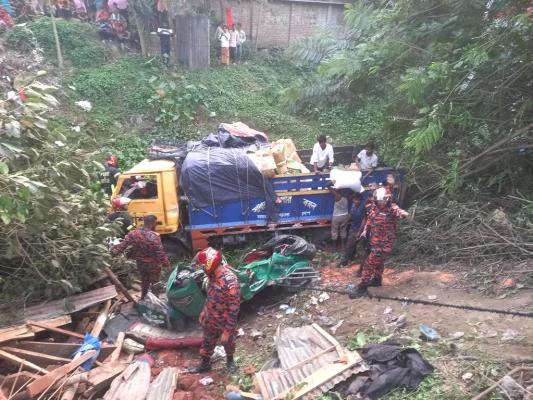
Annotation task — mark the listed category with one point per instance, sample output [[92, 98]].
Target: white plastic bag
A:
[[346, 179]]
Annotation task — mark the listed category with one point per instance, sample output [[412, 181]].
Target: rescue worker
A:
[[120, 213], [147, 249], [222, 304], [382, 222], [109, 176], [357, 213]]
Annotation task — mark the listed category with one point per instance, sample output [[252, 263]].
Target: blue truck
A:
[[303, 203]]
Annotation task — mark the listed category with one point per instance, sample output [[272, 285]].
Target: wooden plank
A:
[[259, 382], [330, 339], [39, 359], [56, 330], [100, 322], [27, 332], [16, 381], [54, 309], [317, 379], [83, 325], [64, 350], [313, 357], [118, 284], [100, 378], [119, 342], [86, 314], [43, 383], [17, 361]]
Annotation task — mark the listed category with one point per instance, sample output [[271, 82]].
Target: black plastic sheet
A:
[[215, 175], [295, 246]]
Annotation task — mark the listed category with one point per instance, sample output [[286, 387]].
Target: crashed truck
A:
[[211, 192]]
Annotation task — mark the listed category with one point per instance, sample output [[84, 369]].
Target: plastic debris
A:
[[75, 128], [388, 310], [279, 316], [59, 143], [283, 307], [457, 335], [219, 353], [323, 297], [429, 333], [326, 321], [260, 313], [313, 301], [241, 332], [510, 335], [405, 304], [290, 310], [337, 326], [306, 318], [86, 105], [350, 286], [394, 324], [256, 335], [432, 297], [467, 376], [206, 381]]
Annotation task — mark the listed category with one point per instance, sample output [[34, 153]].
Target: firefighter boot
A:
[[230, 365], [360, 291], [205, 366], [375, 281]]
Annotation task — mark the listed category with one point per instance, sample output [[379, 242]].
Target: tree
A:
[[453, 76], [142, 11], [56, 36]]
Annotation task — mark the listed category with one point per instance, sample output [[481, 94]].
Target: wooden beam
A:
[[86, 314], [64, 350], [313, 357], [113, 278], [42, 384], [27, 332], [56, 330], [39, 359], [100, 322], [18, 361], [119, 342], [330, 339], [101, 377], [18, 380]]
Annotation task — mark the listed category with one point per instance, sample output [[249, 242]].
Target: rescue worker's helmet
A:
[[209, 259], [382, 194], [121, 203], [112, 161]]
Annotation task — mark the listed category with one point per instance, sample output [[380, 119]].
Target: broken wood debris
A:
[[39, 359], [20, 361], [28, 332], [163, 387]]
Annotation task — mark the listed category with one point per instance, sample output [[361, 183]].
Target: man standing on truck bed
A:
[[322, 155], [222, 304], [366, 160], [147, 249]]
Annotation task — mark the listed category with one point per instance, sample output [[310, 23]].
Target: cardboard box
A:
[[353, 167], [294, 156], [277, 153], [263, 164], [281, 168]]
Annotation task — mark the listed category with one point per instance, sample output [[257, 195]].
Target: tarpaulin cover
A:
[[294, 245], [391, 367], [228, 140], [240, 129], [90, 343], [214, 175]]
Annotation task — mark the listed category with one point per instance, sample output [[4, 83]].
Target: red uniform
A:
[[382, 225], [147, 250], [221, 310]]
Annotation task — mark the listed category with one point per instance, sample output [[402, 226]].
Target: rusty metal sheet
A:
[[54, 309]]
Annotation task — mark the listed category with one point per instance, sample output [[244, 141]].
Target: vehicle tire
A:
[[174, 249]]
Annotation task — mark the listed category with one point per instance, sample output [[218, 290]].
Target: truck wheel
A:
[[174, 249]]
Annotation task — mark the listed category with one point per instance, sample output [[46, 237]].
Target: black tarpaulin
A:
[[215, 175], [227, 140]]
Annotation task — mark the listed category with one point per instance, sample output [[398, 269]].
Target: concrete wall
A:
[[282, 20]]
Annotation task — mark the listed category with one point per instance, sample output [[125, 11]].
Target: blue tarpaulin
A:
[[90, 343], [6, 5]]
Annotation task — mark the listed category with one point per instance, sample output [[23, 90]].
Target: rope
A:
[[238, 180], [210, 186], [423, 302]]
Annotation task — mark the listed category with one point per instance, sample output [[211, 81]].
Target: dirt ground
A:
[[482, 339]]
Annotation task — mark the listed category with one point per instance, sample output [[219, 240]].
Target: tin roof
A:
[[323, 370]]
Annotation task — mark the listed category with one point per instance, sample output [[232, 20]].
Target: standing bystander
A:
[[240, 44], [224, 46], [233, 41]]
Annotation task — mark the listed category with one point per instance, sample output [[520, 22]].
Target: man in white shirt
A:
[[366, 160], [240, 43], [322, 155]]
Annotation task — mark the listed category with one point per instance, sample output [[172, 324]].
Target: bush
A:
[[79, 41]]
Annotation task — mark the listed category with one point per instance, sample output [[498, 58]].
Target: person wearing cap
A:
[[120, 213], [382, 224], [109, 176], [222, 304], [147, 249]]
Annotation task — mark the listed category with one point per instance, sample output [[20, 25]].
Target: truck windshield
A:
[[140, 187]]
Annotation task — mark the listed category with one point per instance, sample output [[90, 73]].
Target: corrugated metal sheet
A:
[[295, 345], [54, 309], [162, 388]]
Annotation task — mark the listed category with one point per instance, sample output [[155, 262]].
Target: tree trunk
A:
[[56, 36], [140, 29], [258, 25], [172, 26], [223, 12]]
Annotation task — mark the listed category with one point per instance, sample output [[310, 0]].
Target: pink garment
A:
[[161, 6], [233, 38], [80, 4], [121, 4]]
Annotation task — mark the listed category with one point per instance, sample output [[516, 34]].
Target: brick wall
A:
[[282, 21]]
